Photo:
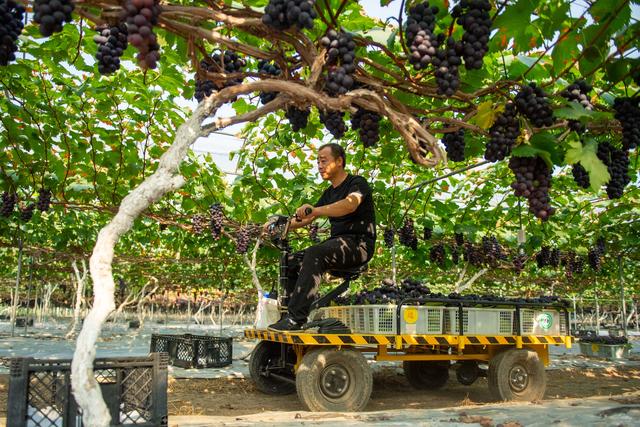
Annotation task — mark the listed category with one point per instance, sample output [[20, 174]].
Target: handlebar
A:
[[280, 227], [307, 211]]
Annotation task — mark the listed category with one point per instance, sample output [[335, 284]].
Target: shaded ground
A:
[[390, 391]]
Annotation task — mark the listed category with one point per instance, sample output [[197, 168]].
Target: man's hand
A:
[[300, 212]]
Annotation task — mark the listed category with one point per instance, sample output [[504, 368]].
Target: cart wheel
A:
[[265, 359], [517, 374], [467, 372], [335, 380], [425, 374]]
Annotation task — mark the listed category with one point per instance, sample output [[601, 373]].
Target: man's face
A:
[[328, 165]]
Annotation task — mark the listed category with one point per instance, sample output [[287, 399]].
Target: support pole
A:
[[393, 263], [14, 307], [575, 315], [26, 323], [220, 315], [188, 310], [595, 291], [624, 302]]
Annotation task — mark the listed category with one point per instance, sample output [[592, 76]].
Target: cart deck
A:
[[401, 341]]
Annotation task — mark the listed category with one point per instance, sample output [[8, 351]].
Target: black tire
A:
[[266, 355], [467, 372], [425, 374], [517, 375], [334, 380]]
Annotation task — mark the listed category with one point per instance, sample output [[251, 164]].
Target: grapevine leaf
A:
[[586, 155], [565, 50], [616, 70], [572, 111], [486, 114], [575, 111], [548, 143], [526, 150], [515, 23], [391, 41], [603, 11]]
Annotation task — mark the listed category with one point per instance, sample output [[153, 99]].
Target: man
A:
[[348, 204]]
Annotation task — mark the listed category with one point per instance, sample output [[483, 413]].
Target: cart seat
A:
[[348, 274]]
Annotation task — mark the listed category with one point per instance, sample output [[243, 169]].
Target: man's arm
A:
[[340, 208], [337, 209]]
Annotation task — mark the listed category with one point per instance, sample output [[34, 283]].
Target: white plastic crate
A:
[[421, 320], [615, 351], [542, 322], [381, 319], [479, 321]]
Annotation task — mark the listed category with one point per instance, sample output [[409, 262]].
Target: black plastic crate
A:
[[20, 322], [194, 351], [134, 389]]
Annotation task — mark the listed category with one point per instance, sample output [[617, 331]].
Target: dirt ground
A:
[[232, 397]]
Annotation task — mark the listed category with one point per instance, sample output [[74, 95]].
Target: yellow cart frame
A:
[[330, 373], [411, 347]]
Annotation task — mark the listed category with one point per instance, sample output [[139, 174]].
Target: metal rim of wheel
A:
[[334, 381], [518, 378]]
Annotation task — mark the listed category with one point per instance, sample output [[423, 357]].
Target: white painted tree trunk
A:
[[198, 316], [85, 388], [252, 265], [461, 286], [49, 289], [142, 298], [130, 299], [79, 282], [37, 309]]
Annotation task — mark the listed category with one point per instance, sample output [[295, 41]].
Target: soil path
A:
[[390, 391], [234, 397]]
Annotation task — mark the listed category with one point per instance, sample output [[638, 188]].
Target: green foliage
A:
[[91, 139]]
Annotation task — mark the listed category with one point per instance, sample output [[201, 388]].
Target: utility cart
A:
[[331, 373], [430, 336]]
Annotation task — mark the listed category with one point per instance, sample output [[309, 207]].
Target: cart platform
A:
[[400, 341]]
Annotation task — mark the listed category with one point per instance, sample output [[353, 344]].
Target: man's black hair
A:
[[336, 151]]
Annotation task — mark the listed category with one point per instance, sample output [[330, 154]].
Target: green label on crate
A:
[[545, 320]]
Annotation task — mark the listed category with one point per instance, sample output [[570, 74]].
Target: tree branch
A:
[[414, 135]]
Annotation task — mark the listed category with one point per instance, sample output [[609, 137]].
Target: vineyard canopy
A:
[[90, 139]]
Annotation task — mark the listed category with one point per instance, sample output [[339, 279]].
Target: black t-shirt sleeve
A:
[[359, 185]]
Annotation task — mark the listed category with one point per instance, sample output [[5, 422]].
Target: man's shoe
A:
[[285, 324]]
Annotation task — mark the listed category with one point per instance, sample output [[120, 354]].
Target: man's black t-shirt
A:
[[360, 222]]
